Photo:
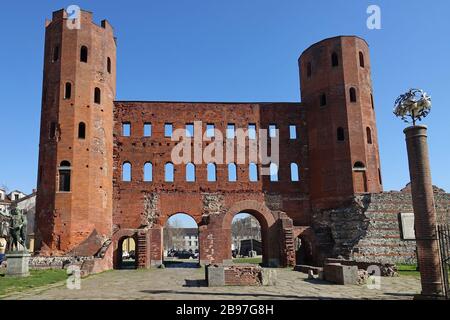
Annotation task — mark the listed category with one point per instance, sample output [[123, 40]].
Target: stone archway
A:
[[118, 239], [269, 230]]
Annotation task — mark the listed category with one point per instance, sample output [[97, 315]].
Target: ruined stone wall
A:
[[368, 229]]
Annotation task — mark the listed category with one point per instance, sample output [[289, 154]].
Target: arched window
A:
[[168, 172], [323, 99], [108, 64], [81, 130], [294, 172], [340, 134], [148, 172], [232, 172], [126, 172], [334, 59], [359, 165], [369, 135], [253, 172], [55, 54], [84, 54], [352, 94], [308, 70], [361, 59], [68, 90], [64, 176], [211, 172], [190, 172], [97, 96], [273, 172]]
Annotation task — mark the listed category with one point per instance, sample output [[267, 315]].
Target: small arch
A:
[[84, 54], [253, 172], [294, 172], [361, 59], [323, 99], [64, 171], [359, 165], [212, 174], [148, 172], [334, 59], [127, 253], [340, 134], [309, 70], [232, 172], [169, 172], [68, 90], [81, 130], [126, 172], [55, 54], [190, 172], [108, 64], [352, 94], [369, 135], [97, 96], [273, 168]]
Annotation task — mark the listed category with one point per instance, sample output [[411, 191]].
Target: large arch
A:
[[269, 231]]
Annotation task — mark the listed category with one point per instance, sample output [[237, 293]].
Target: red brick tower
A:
[[74, 199], [336, 90]]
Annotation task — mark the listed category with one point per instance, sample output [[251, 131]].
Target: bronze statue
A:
[[17, 226]]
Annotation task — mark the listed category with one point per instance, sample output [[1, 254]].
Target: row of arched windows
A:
[[84, 53], [335, 63], [211, 168]]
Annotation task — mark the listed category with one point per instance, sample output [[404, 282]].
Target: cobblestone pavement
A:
[[183, 284]]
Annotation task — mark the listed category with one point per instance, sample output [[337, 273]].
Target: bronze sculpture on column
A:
[[415, 105]]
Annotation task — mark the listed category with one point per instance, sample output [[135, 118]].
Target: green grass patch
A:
[[409, 270], [256, 260], [37, 278]]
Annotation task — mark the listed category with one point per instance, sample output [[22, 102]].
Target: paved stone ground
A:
[[182, 284]]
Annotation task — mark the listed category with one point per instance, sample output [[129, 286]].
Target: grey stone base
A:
[[17, 264]]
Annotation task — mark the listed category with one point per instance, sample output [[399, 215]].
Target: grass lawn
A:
[[256, 260], [409, 270], [38, 278]]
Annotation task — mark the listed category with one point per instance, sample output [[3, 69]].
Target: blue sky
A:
[[233, 50]]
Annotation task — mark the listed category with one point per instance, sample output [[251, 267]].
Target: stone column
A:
[[424, 212]]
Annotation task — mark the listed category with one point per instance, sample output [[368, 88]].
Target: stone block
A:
[[340, 274], [17, 264], [215, 276], [269, 277]]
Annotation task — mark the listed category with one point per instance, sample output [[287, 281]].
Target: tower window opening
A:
[[68, 90], [52, 133], [361, 59], [64, 176], [340, 134], [55, 54], [84, 54], [81, 130], [273, 168], [168, 129], [190, 172], [369, 135], [97, 96], [253, 172], [169, 172], [371, 101], [359, 166], [147, 129], [232, 172], [334, 59], [108, 64], [293, 132], [252, 131], [323, 100], [352, 95], [126, 129]]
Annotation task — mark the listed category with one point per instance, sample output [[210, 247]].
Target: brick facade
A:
[[335, 148]]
